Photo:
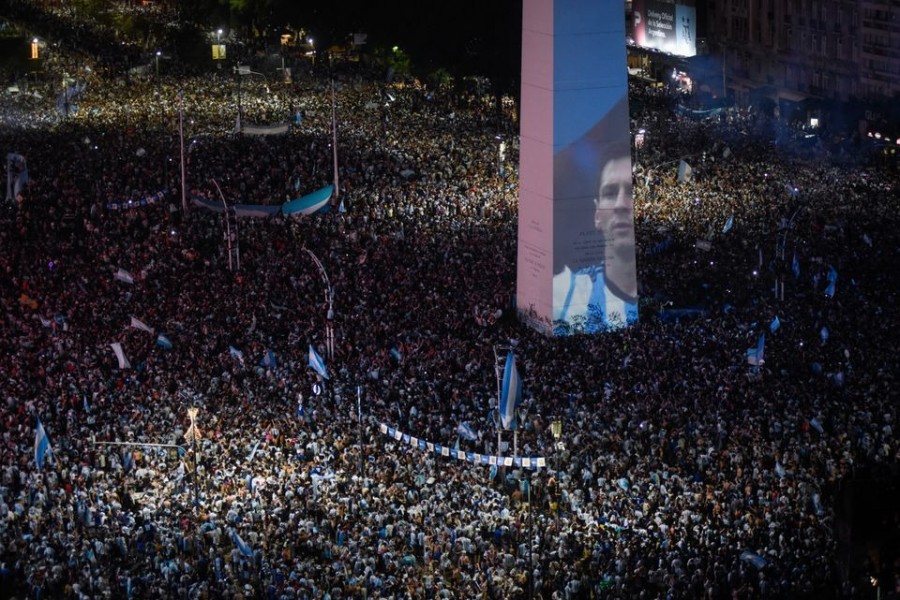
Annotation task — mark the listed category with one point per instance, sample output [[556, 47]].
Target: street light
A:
[[329, 302], [556, 430], [158, 54]]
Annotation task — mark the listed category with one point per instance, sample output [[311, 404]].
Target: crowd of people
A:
[[681, 471]]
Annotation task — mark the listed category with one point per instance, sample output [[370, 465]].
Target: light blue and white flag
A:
[[138, 324], [867, 239], [795, 266], [832, 282], [511, 393], [465, 430], [253, 452], [316, 363], [397, 355], [817, 425], [41, 445], [756, 356], [779, 470], [268, 359], [124, 276], [235, 353], [87, 407], [728, 224], [824, 333], [120, 355], [163, 342], [242, 546], [684, 172], [775, 325], [754, 559]]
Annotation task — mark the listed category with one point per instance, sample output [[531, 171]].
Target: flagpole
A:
[[329, 301], [192, 413], [359, 429], [334, 140], [228, 238], [181, 139], [498, 422]]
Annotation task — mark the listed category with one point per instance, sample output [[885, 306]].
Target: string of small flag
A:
[[527, 462], [129, 204]]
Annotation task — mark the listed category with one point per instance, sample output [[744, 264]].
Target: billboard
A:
[[576, 259], [666, 25]]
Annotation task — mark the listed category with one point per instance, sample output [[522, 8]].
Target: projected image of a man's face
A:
[[614, 213]]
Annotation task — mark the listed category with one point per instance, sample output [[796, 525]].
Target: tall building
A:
[[838, 60], [810, 53]]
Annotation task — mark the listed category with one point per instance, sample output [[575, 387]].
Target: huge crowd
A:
[[682, 472]]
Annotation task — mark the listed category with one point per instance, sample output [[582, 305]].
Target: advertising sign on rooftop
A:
[[666, 25]]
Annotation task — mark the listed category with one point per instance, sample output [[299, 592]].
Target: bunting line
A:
[[527, 462]]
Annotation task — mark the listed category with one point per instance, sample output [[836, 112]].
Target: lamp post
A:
[[158, 54], [556, 430], [329, 302], [192, 413]]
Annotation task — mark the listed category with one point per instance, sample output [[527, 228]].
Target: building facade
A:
[[810, 52]]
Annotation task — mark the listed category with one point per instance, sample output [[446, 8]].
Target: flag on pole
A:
[[163, 342], [728, 224], [756, 356], [253, 452], [124, 276], [120, 355], [795, 266], [775, 325], [465, 430], [41, 445], [316, 363], [241, 544], [511, 393], [138, 324]]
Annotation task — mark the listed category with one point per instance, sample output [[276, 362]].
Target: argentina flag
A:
[[756, 356], [316, 363], [242, 546], [41, 445], [163, 342], [511, 393], [466, 432], [728, 224], [832, 282]]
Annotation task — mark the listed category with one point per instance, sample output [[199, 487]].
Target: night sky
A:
[[481, 37]]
